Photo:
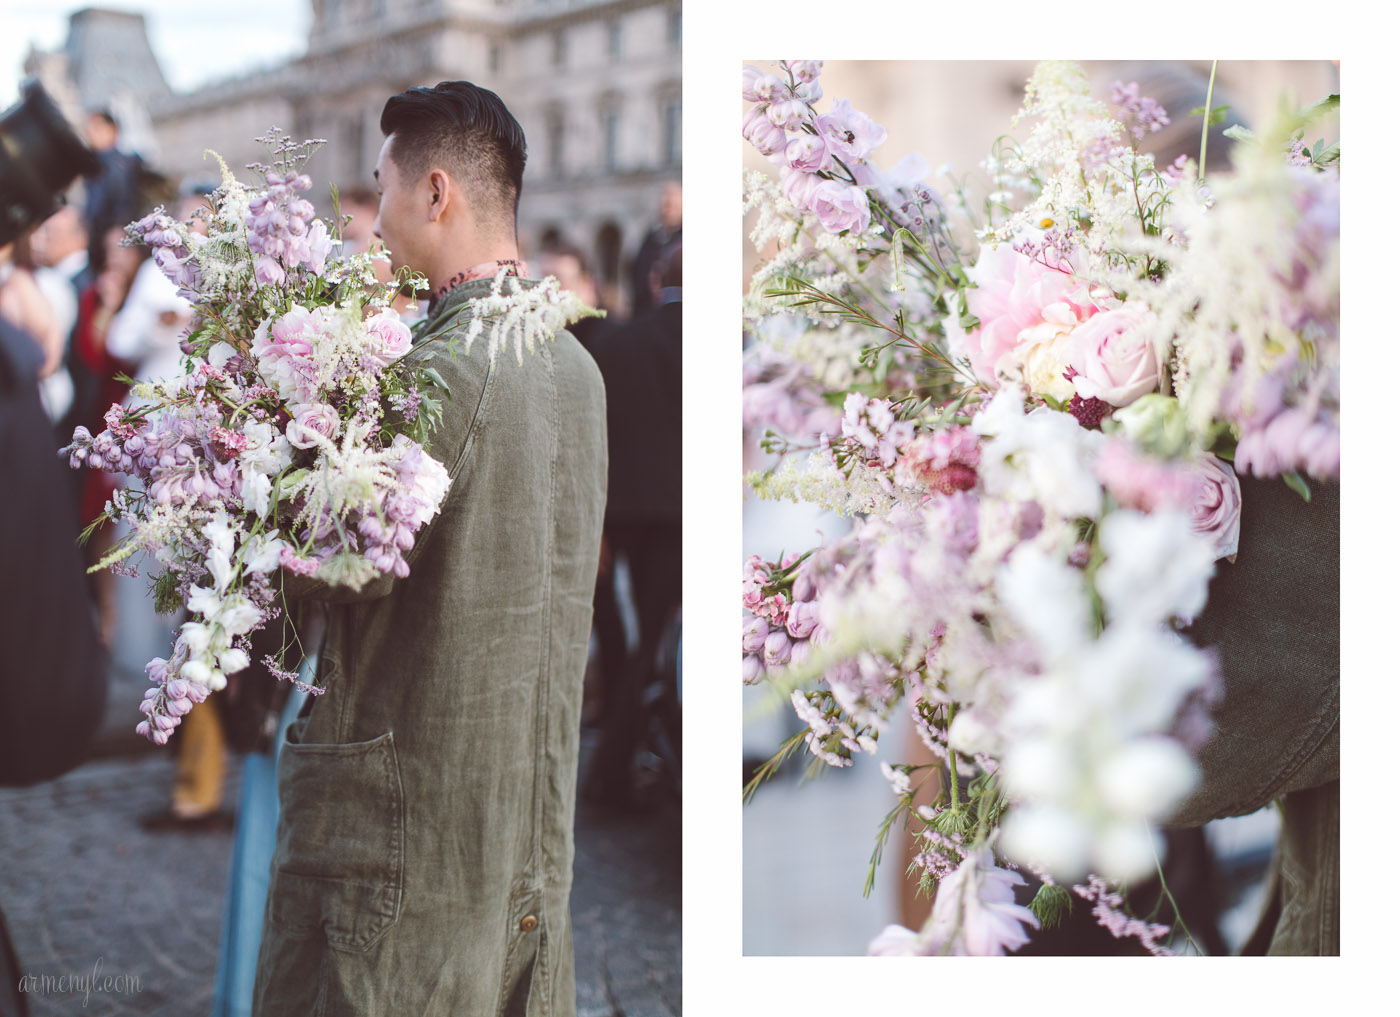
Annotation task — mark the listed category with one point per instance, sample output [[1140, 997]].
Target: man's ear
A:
[[440, 194]]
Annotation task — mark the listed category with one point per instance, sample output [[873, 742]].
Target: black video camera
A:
[[39, 157]]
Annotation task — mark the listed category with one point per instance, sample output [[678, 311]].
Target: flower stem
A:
[[1205, 122]]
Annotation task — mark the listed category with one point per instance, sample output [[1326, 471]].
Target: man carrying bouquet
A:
[[425, 848]]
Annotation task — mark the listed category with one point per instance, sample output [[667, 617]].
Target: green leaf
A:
[[1217, 114], [1322, 107], [1238, 132], [1295, 480]]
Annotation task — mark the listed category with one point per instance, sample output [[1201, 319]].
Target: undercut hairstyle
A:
[[467, 131]]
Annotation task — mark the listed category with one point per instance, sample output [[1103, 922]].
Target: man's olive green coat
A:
[[425, 849], [1274, 618]]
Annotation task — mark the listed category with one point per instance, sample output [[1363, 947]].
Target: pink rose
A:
[[1116, 363], [841, 206], [1018, 298], [309, 418], [1216, 513], [389, 338]]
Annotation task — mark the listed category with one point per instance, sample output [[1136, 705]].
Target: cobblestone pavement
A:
[[84, 887]]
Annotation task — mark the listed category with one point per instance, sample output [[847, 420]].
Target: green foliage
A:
[[1217, 114], [166, 590], [1296, 483], [1052, 905]]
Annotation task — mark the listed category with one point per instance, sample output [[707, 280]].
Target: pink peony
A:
[[1018, 298], [1116, 363], [841, 206]]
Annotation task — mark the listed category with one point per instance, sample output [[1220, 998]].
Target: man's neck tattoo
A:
[[486, 270]]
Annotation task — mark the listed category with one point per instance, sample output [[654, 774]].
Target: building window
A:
[[554, 143], [615, 39], [610, 130], [493, 58], [671, 132], [559, 48], [673, 27]]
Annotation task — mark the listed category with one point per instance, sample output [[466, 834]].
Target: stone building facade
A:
[[596, 85]]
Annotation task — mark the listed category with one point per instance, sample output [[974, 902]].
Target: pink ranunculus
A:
[[1115, 361], [851, 134], [841, 206], [809, 153], [759, 131], [312, 417], [1015, 298], [389, 337], [1216, 512]]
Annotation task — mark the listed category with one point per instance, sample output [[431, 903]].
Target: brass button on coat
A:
[[528, 923]]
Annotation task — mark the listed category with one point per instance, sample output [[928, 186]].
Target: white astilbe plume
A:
[[523, 317]]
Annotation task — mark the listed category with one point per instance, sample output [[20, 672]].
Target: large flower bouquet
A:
[[296, 441], [1033, 409]]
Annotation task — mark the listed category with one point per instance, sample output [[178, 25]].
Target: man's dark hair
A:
[[466, 130], [102, 113]]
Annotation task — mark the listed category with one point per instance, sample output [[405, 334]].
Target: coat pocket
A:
[[339, 866]]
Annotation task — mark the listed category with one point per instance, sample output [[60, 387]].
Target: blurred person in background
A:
[[641, 365], [96, 388], [60, 252], [113, 194], [26, 307], [361, 204], [666, 232], [53, 679], [569, 265]]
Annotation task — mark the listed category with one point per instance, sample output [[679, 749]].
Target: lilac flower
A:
[[1140, 114]]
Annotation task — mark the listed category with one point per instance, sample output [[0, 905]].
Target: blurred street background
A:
[[104, 865], [85, 886]]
